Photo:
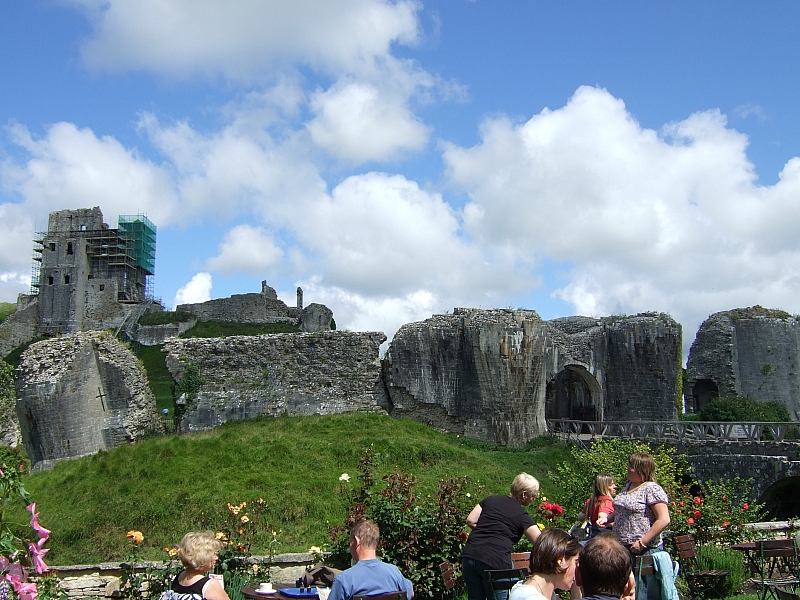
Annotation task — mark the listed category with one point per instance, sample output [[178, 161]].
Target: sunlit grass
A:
[[169, 485]]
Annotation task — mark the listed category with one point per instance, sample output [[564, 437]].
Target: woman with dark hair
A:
[[640, 509], [497, 523], [554, 557]]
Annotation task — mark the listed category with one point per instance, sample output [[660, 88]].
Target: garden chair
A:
[[777, 564], [784, 594], [388, 596], [703, 583], [504, 579], [522, 560]]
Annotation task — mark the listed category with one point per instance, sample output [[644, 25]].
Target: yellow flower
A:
[[245, 518], [255, 569], [315, 550], [130, 533], [540, 526], [220, 536], [137, 537], [173, 552]]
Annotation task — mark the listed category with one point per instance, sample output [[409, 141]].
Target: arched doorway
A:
[[573, 394], [782, 499], [703, 392]]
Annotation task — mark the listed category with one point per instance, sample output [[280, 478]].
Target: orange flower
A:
[[136, 536], [690, 521]]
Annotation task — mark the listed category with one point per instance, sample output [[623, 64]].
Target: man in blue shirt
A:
[[369, 576]]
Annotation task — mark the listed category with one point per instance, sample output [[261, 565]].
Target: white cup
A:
[[265, 587]]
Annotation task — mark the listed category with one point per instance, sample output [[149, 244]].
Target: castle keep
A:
[[90, 274]]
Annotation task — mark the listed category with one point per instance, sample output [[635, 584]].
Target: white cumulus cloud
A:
[[245, 249], [243, 39], [641, 220], [197, 290]]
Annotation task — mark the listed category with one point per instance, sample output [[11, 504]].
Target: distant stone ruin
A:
[[244, 377], [79, 394], [497, 375], [264, 307], [752, 352]]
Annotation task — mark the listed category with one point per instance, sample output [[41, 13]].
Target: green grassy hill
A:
[[6, 308], [166, 486]]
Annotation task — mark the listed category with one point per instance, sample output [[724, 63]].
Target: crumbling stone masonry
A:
[[498, 374], [244, 377], [753, 352], [264, 307], [79, 394]]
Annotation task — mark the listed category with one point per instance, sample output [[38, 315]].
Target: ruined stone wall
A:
[[295, 374], [20, 326], [753, 352], [495, 374], [262, 308], [152, 335], [480, 373], [79, 394], [102, 311], [643, 360], [241, 308]]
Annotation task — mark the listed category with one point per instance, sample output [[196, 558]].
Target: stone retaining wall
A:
[[103, 580]]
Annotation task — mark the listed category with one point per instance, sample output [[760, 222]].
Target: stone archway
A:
[[574, 394], [703, 392], [782, 499]]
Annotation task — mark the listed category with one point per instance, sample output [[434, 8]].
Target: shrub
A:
[[739, 408], [717, 513], [713, 557], [575, 479], [417, 533]]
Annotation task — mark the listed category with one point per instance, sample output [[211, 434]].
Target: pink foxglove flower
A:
[[37, 553], [43, 533]]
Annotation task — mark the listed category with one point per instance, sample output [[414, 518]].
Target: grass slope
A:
[[169, 485], [6, 308], [158, 376]]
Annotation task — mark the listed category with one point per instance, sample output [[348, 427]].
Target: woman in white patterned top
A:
[[640, 509]]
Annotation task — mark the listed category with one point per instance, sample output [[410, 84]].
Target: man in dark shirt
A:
[[604, 569]]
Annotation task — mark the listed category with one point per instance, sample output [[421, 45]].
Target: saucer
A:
[[265, 592]]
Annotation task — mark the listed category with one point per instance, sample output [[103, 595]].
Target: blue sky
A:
[[397, 159]]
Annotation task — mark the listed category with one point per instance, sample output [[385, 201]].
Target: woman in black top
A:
[[497, 523], [198, 553]]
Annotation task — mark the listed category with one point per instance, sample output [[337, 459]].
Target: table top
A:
[[249, 591], [744, 546]]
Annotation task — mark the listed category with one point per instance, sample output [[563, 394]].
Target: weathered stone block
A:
[[79, 394]]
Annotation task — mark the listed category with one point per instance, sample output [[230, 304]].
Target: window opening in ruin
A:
[[102, 287], [703, 392], [69, 248], [52, 247], [83, 227], [49, 281], [66, 278]]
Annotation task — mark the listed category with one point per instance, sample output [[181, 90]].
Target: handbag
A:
[[580, 530]]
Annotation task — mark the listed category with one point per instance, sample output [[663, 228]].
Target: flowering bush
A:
[[150, 581], [19, 554], [418, 533], [549, 510], [717, 512]]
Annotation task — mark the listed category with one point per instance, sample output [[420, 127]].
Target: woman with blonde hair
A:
[[497, 523], [600, 505], [198, 553], [554, 557]]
